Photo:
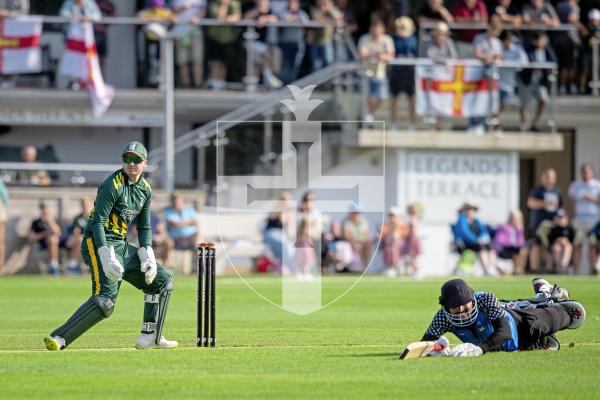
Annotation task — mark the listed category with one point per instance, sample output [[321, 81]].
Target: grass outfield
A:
[[347, 350]]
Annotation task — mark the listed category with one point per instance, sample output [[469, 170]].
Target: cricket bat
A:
[[420, 349]]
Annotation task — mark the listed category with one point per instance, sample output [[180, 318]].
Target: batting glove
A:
[[466, 350], [110, 264], [147, 263], [441, 349]]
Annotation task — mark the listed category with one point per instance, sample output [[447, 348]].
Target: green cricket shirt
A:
[[117, 203]]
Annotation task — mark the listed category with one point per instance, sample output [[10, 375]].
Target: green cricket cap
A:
[[136, 148]]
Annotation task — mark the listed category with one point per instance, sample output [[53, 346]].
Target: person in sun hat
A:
[[470, 233], [124, 196]]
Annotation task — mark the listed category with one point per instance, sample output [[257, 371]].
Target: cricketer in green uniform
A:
[[124, 196]]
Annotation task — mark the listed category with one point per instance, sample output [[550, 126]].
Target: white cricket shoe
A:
[[545, 289], [576, 311], [146, 341]]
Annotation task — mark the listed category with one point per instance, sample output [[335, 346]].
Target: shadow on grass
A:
[[391, 355]]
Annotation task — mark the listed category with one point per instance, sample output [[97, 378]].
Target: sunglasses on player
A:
[[132, 158]]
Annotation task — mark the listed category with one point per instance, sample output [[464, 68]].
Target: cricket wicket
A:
[[205, 329]]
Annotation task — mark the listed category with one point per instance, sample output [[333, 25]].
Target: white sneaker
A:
[[545, 289], [146, 341], [541, 287], [576, 311], [271, 80], [369, 119], [391, 273]]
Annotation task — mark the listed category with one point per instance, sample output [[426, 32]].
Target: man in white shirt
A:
[[585, 194]]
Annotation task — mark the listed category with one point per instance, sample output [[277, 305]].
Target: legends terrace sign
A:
[[442, 180]]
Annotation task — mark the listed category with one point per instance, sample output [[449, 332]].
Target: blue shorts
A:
[[505, 96], [378, 87]]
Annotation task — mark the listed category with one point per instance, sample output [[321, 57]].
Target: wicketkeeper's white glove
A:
[[147, 263], [466, 350], [444, 351], [110, 264]]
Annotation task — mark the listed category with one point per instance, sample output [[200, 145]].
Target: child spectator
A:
[[413, 248], [561, 239], [304, 256], [402, 78], [509, 241], [376, 48], [393, 234]]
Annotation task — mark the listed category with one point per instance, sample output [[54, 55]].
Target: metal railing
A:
[[249, 36], [199, 136], [77, 169], [426, 27]]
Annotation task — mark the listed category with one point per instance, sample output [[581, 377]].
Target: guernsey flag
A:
[[20, 45], [80, 61], [464, 89]]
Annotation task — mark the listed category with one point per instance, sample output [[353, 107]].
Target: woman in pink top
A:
[[509, 241]]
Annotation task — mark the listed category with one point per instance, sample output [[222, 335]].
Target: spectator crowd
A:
[[557, 236], [212, 56]]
